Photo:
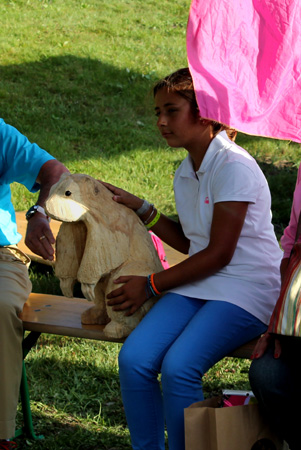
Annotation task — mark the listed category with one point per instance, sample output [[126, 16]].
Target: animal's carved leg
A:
[[116, 330], [95, 315], [89, 291], [67, 286]]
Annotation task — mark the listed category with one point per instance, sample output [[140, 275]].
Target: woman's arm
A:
[[283, 267], [289, 234], [227, 223]]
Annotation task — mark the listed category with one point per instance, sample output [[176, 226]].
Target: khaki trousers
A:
[[15, 288]]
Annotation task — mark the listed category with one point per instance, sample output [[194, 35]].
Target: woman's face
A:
[[176, 121]]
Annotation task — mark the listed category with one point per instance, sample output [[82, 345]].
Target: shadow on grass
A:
[[75, 405], [74, 436], [281, 179], [44, 280], [78, 107]]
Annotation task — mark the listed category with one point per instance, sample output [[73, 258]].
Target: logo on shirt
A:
[[207, 200]]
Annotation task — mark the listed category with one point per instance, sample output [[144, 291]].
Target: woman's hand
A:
[[263, 343], [166, 229], [130, 296], [124, 197]]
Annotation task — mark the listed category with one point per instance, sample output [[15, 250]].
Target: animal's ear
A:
[[100, 190], [96, 187], [64, 175], [55, 185], [105, 250]]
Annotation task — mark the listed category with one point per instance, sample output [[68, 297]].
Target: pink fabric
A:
[[160, 250], [245, 60], [288, 238]]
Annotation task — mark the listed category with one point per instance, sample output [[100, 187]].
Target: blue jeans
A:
[[182, 338], [277, 385]]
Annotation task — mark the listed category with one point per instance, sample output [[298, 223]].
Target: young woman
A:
[[216, 300]]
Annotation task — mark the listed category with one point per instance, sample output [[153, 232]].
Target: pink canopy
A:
[[245, 60]]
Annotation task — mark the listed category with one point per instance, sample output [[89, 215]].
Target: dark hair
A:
[[181, 82]]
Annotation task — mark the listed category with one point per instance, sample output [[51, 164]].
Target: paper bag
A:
[[210, 427]]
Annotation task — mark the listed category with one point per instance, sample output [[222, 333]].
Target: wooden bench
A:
[[54, 314]]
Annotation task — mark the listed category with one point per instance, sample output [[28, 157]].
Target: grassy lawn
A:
[[76, 77]]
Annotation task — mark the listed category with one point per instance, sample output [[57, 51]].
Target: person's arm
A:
[[287, 242], [288, 238], [283, 267], [39, 237], [265, 341], [227, 223]]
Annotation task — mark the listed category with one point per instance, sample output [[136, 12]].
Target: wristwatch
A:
[[36, 208]]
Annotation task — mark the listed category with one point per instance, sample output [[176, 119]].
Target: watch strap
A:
[[36, 208]]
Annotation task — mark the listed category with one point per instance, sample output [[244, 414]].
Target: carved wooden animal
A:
[[98, 241]]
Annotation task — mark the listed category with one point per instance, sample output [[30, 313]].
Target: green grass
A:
[[76, 77]]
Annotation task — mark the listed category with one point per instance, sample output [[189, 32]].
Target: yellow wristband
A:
[[154, 221]]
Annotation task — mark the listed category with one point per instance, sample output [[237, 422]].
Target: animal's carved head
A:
[[72, 196]]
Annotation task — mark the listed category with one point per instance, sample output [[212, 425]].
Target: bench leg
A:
[[27, 428]]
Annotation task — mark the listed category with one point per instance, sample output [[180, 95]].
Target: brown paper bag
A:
[[209, 427]]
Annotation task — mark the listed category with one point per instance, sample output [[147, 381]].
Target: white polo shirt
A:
[[228, 173]]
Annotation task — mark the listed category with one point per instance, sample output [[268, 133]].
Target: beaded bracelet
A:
[[148, 293], [149, 290], [153, 284], [154, 221], [150, 286]]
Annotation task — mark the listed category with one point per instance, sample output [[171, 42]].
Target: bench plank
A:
[[245, 351], [60, 315]]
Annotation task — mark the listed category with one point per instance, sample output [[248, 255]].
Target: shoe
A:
[[7, 445]]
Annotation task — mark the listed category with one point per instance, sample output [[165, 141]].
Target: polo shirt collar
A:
[[216, 145]]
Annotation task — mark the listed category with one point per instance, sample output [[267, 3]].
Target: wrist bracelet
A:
[[143, 208], [149, 291], [153, 211], [154, 221], [153, 284], [151, 288], [34, 209]]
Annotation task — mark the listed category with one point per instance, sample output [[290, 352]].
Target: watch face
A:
[[36, 208], [31, 212]]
